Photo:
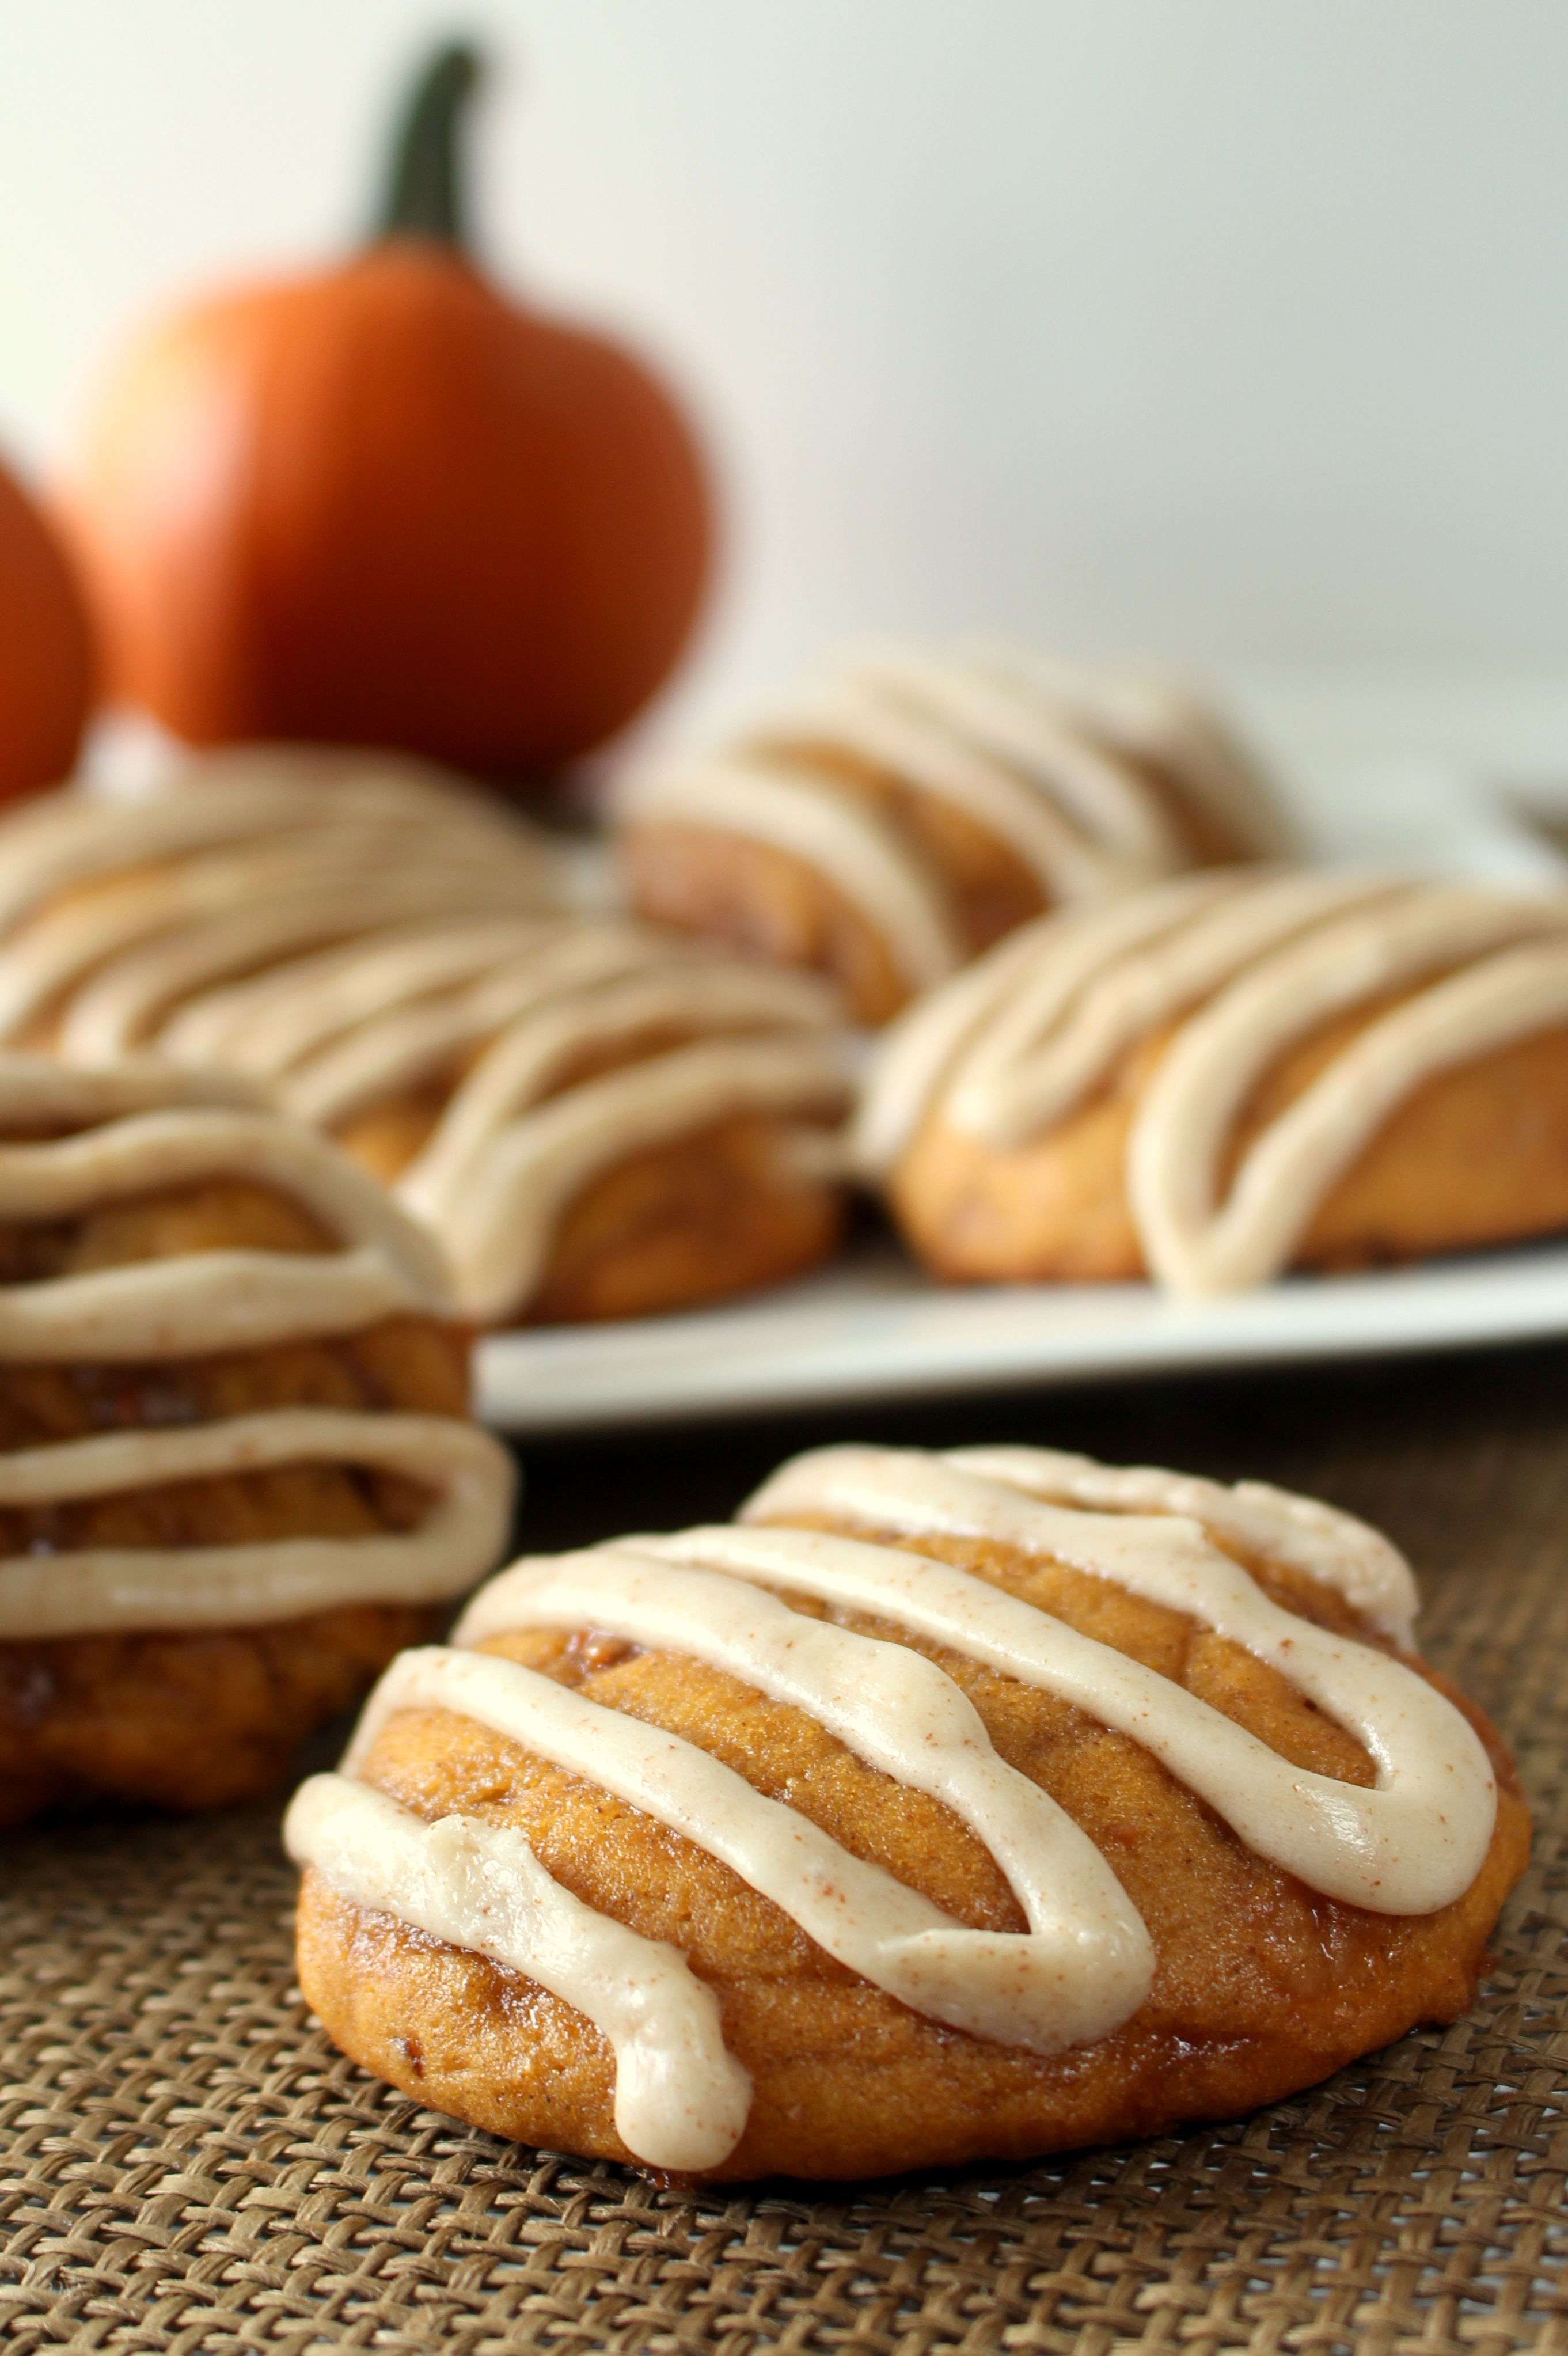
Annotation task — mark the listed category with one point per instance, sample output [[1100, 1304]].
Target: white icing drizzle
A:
[[142, 1130], [1156, 720], [903, 1714], [1052, 764], [680, 2099], [106, 1589], [223, 1299], [276, 1021], [1302, 1533], [1409, 1844], [1009, 999], [1074, 1020], [247, 795], [902, 721], [962, 730], [1243, 967], [1506, 993]]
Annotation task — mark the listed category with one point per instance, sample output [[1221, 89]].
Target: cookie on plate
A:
[[914, 807], [598, 1119], [945, 1808], [1233, 1074], [237, 1470], [114, 912]]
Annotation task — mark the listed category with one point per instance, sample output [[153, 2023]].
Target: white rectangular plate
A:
[[875, 1330], [1399, 777]]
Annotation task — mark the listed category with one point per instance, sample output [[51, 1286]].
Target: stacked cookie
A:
[[237, 1469]]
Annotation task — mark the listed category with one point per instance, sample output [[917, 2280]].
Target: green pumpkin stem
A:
[[425, 187]]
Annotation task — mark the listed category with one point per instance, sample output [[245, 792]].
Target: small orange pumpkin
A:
[[46, 654], [383, 505]]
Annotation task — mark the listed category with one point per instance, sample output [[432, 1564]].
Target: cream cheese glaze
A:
[[143, 1129], [1244, 965], [1053, 763], [1411, 1844]]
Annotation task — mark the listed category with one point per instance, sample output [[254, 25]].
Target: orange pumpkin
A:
[[384, 504], [46, 655]]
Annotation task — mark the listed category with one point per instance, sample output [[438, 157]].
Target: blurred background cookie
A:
[[912, 806], [113, 912], [597, 1119], [1229, 1075]]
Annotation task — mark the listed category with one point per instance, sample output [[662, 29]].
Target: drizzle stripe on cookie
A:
[[106, 1587], [680, 2099], [892, 1708], [110, 912], [223, 1299]]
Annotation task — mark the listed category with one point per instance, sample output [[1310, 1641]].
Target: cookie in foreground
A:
[[1228, 1075], [945, 1807], [237, 1469], [911, 807]]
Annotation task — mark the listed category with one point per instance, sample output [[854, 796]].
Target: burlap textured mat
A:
[[185, 2164]]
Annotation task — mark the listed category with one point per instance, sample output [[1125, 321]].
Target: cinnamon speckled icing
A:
[[1052, 761], [1409, 1845], [1242, 965], [72, 1142]]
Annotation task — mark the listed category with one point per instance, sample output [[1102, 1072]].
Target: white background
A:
[[1232, 329]]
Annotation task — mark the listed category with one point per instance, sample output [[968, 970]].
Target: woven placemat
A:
[[185, 2163]]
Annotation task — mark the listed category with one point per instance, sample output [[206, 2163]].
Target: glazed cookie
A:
[[914, 807], [947, 1807], [1233, 1074], [599, 1120], [113, 912], [237, 1471]]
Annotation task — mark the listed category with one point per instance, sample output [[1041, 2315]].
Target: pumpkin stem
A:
[[424, 188]]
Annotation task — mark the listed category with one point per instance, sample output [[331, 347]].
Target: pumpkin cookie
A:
[[1229, 1075], [114, 914], [947, 1807], [599, 1120], [236, 1468], [913, 808]]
